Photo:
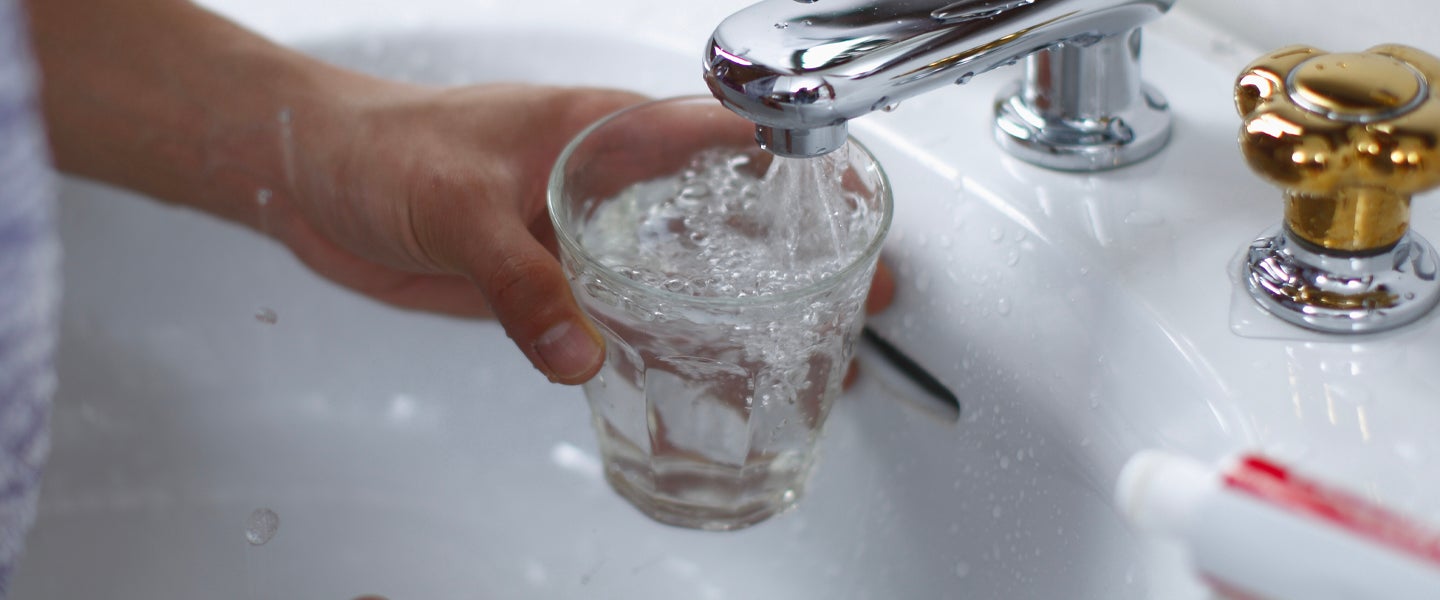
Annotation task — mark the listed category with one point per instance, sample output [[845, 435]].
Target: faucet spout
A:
[[800, 70]]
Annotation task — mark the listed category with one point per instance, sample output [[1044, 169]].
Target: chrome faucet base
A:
[[1342, 294], [1082, 106], [1081, 144]]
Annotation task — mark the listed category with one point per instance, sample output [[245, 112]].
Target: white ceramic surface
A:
[[1080, 318], [1336, 25]]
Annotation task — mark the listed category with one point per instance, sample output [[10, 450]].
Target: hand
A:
[[435, 200]]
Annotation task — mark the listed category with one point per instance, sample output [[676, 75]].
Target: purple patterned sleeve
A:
[[29, 290]]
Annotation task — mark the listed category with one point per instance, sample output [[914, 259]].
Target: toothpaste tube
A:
[[1257, 530]]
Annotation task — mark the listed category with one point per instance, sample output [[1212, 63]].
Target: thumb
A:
[[529, 295]]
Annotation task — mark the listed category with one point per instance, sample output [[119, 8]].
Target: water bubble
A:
[[261, 526], [267, 316], [962, 569]]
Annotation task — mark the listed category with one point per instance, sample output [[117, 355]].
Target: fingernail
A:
[[568, 351]]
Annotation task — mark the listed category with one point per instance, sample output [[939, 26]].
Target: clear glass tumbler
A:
[[730, 287]]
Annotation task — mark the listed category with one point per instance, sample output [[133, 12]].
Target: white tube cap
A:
[[1159, 492]]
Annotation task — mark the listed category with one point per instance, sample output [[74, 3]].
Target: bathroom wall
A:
[[1336, 25]]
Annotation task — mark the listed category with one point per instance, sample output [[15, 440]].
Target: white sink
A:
[[1080, 318]]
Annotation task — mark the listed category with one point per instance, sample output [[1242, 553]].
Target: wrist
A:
[[271, 139]]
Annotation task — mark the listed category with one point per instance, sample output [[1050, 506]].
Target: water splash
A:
[[718, 230]]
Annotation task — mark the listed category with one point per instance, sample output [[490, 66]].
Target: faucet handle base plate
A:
[[1081, 144], [1342, 294]]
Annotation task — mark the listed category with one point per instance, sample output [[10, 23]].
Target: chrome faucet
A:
[[801, 69]]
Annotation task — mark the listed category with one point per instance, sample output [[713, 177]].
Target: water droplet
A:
[[1002, 306], [267, 316], [262, 526], [964, 79], [782, 25], [922, 283], [962, 569], [891, 107], [262, 197], [1004, 464], [1012, 259], [997, 511], [1143, 218], [996, 234]]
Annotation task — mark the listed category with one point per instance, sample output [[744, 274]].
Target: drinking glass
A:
[[714, 389]]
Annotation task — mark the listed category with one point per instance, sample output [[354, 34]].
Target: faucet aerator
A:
[[801, 143]]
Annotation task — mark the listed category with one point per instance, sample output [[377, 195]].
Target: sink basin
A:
[[206, 375]]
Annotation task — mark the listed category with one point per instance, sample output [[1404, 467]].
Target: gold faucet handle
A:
[[1349, 136]]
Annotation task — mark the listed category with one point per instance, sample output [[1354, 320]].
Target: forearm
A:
[[171, 100]]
